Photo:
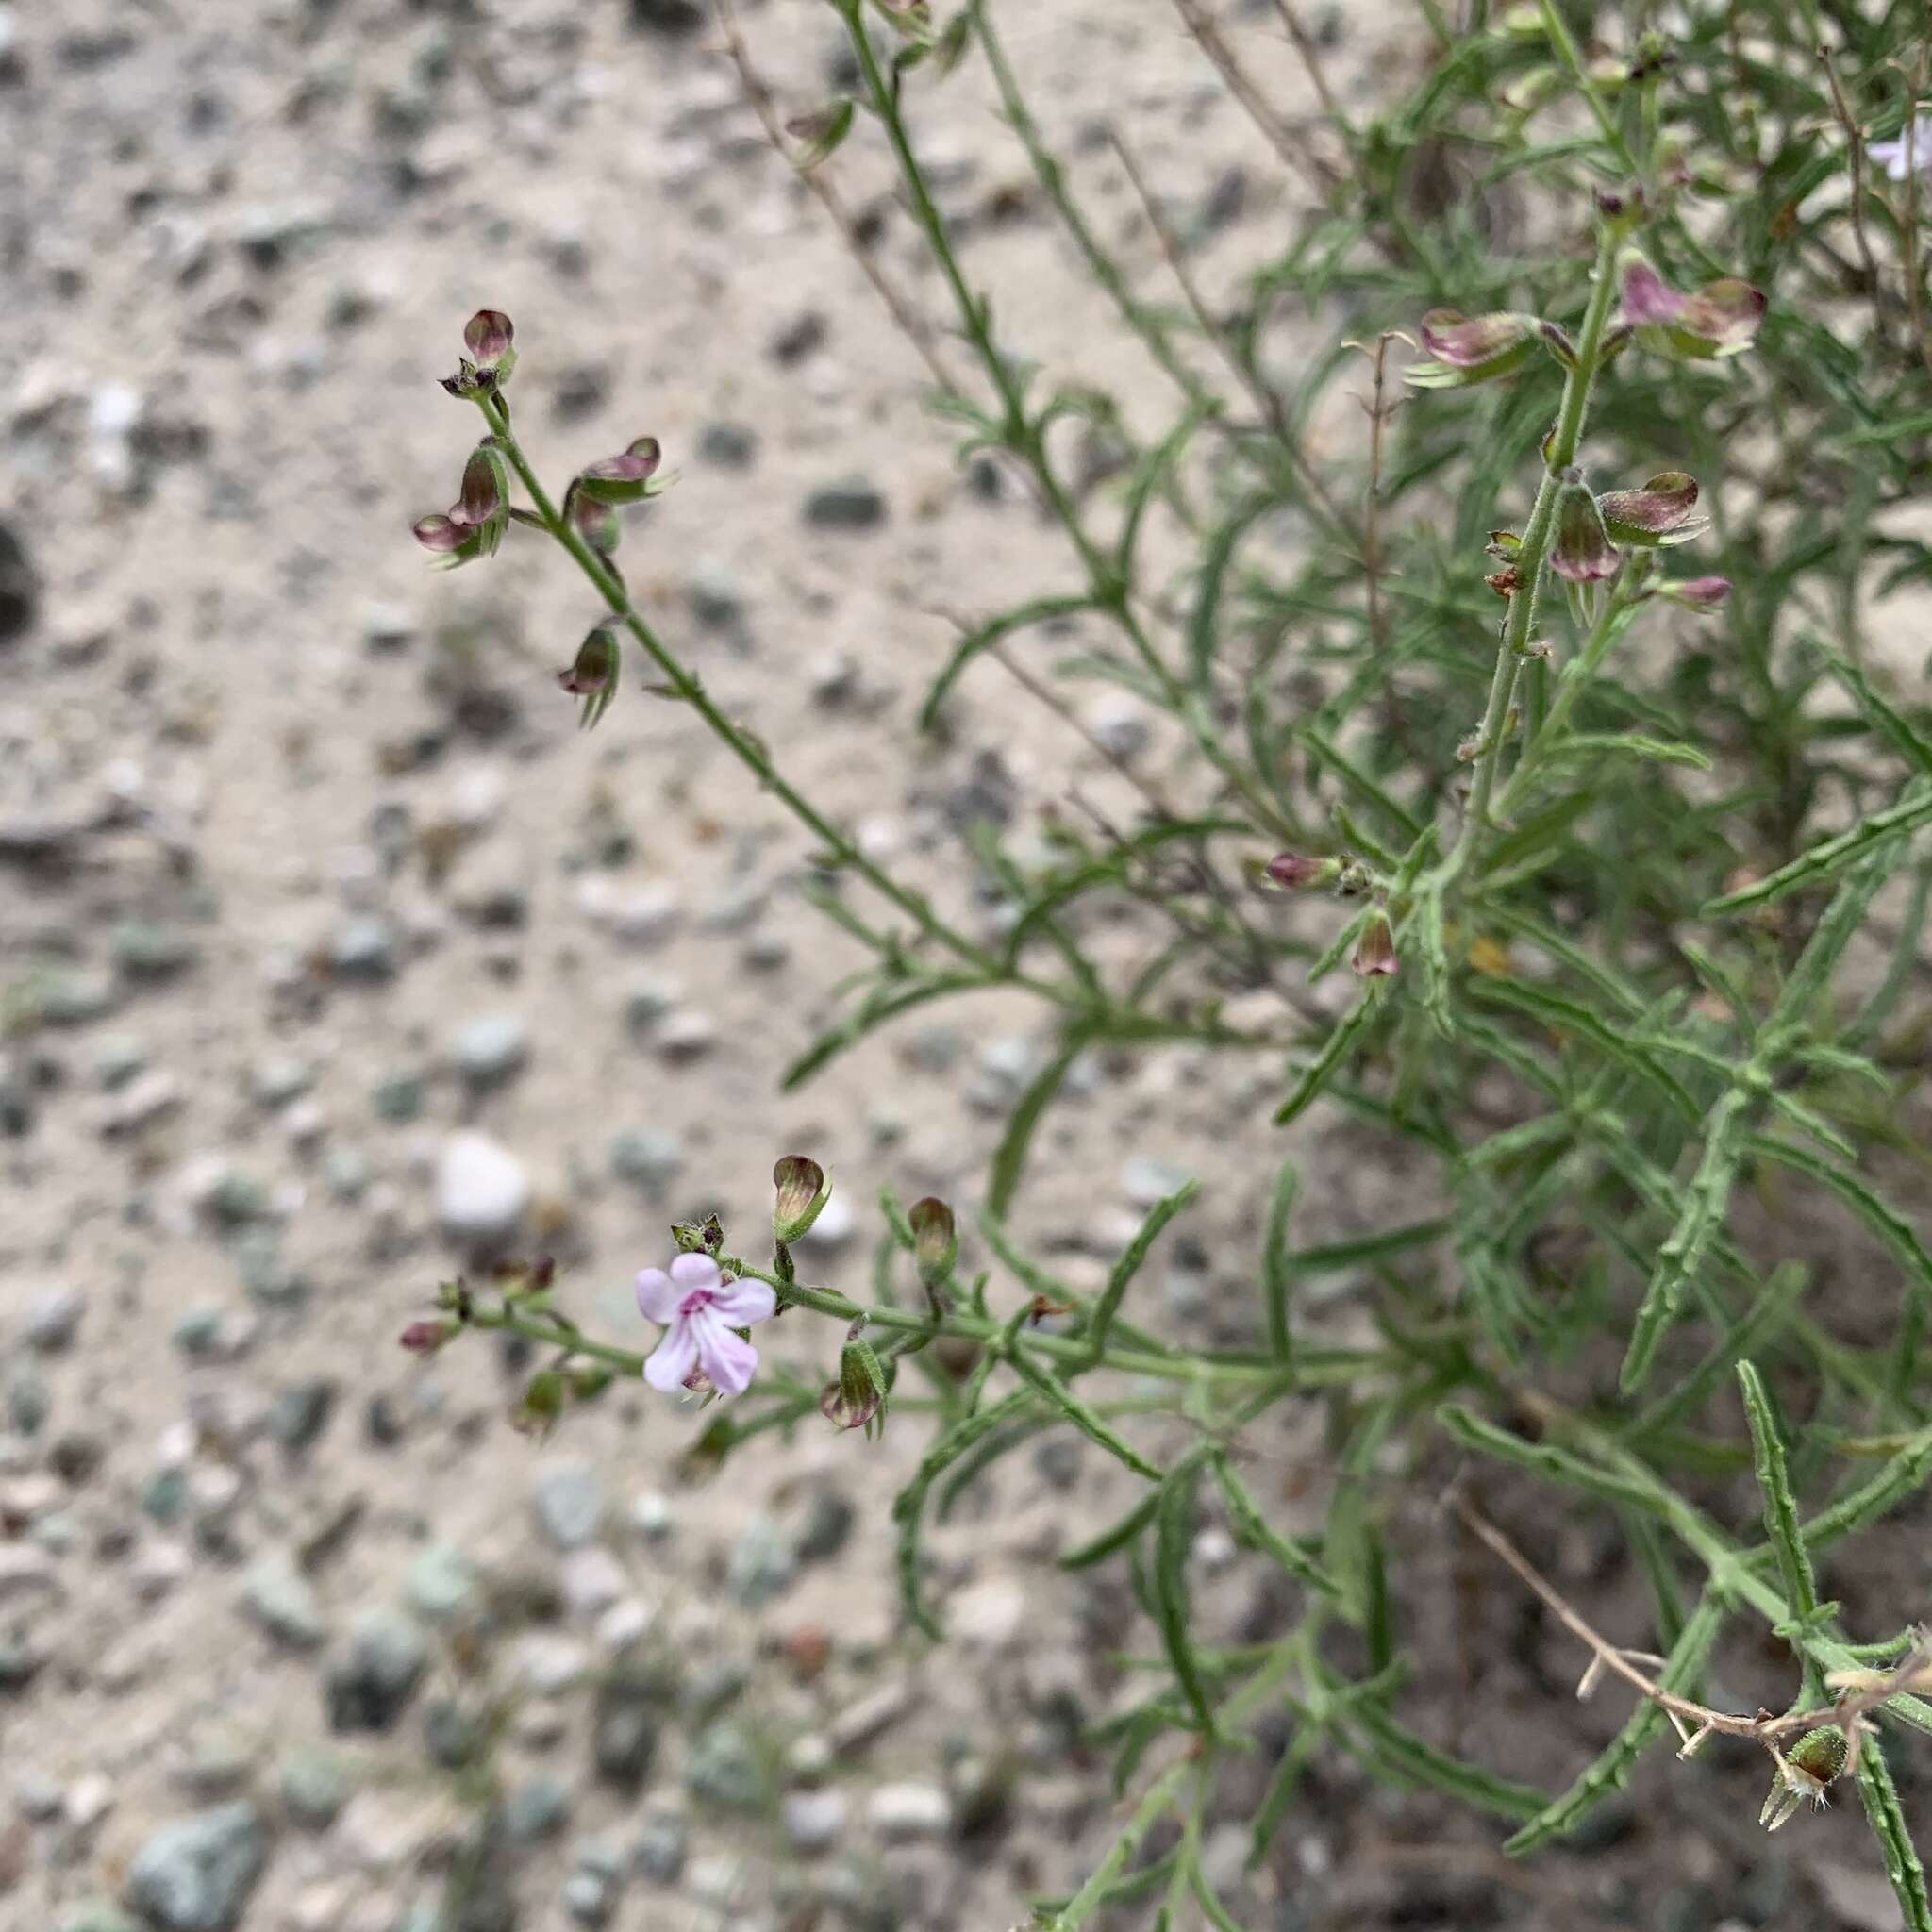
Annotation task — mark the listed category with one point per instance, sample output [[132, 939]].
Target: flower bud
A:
[[592, 674], [449, 538], [543, 1404], [1584, 552], [624, 478], [486, 486], [590, 1380], [1705, 596], [1814, 1761], [1720, 319], [488, 336], [1374, 951], [1472, 348], [1656, 514], [803, 1191], [597, 521], [425, 1338], [856, 1400], [1300, 873], [934, 1240], [820, 134]]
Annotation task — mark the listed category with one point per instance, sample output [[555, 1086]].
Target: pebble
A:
[[569, 1501], [442, 1582], [1121, 724], [626, 1729], [860, 1724], [813, 1819], [547, 1665], [364, 951], [489, 1051], [662, 1840], [481, 1188], [197, 1874], [53, 1318], [537, 1808], [593, 1580], [1145, 1180], [651, 1514], [899, 1812], [829, 1517], [26, 1569], [96, 1915], [728, 445], [315, 1784], [640, 914], [650, 1158], [724, 1767], [762, 1565], [686, 1035], [398, 1098], [274, 1083], [301, 1411], [850, 504], [368, 1687], [276, 1596]]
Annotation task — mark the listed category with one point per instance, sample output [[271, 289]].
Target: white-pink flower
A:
[[700, 1306]]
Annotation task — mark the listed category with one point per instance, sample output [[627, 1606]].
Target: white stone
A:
[[481, 1188]]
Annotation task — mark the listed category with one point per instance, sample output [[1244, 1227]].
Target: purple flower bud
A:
[[623, 479], [454, 539], [439, 533], [857, 1399], [1705, 596], [1656, 513], [802, 1193], [1374, 951], [486, 483], [1472, 348], [425, 1338], [935, 1239], [597, 521], [1301, 873], [1720, 320], [593, 676], [1584, 552], [488, 336]]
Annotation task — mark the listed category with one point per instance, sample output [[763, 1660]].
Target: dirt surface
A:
[[307, 873]]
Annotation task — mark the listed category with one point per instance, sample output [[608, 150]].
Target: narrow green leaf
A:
[[1277, 1263], [1114, 1537], [1780, 1506], [1543, 1459], [1348, 1031], [1252, 1529], [1009, 1156], [1107, 1875], [1130, 1262], [1831, 856], [1077, 1412], [975, 642], [1873, 1208], [1901, 1478], [1174, 1540], [1888, 1820]]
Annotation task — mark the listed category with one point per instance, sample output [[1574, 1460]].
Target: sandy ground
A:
[[287, 823]]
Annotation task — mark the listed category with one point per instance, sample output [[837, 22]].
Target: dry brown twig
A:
[[1694, 1722], [1294, 148]]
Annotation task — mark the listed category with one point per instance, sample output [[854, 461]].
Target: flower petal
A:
[[695, 1271], [729, 1360], [675, 1356], [658, 1295], [741, 1303]]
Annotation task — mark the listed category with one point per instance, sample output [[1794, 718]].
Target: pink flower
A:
[[700, 1308]]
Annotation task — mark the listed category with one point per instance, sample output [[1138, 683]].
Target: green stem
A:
[[747, 749], [1313, 1368], [1532, 559]]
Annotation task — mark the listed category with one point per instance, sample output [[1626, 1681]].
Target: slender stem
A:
[[1313, 1369], [1532, 559], [747, 749]]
